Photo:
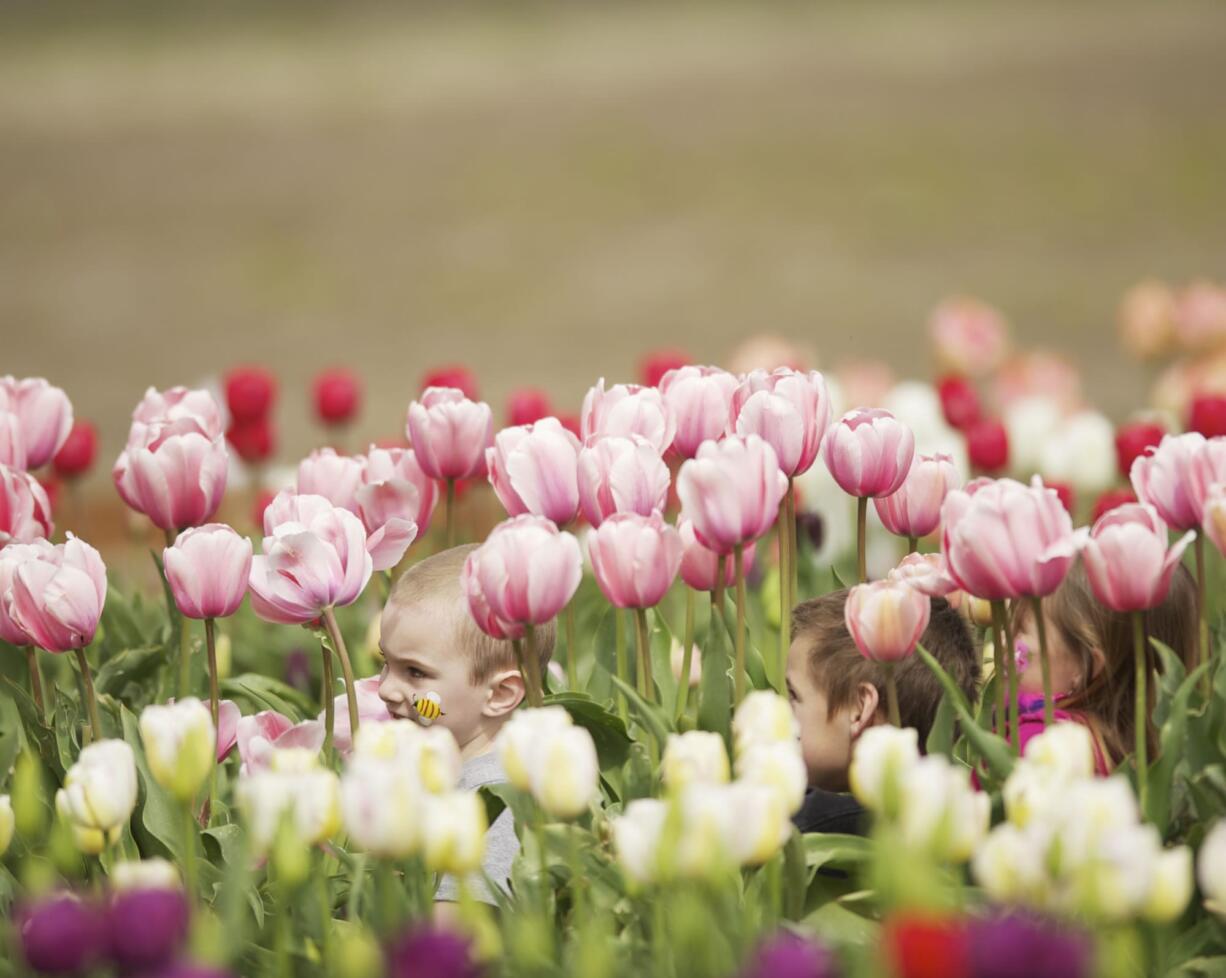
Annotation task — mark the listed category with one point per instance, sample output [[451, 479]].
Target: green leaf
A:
[[838, 581], [119, 625], [834, 851], [270, 694], [493, 800], [608, 732], [715, 688], [156, 825], [796, 873], [841, 927], [129, 666], [987, 745], [941, 736], [652, 718], [662, 639], [1170, 753]]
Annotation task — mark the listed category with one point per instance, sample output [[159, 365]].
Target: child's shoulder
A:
[[482, 769]]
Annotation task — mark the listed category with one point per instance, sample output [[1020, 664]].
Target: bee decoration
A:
[[428, 707]]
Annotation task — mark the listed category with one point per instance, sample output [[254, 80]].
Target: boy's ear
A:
[[506, 691], [1098, 662], [866, 709]]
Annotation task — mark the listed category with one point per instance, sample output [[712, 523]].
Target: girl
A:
[[1090, 650]]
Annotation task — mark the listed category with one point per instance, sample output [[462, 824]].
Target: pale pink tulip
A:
[[1200, 315], [44, 413], [527, 570], [621, 475], [534, 468], [1163, 478], [635, 558], [868, 452], [12, 445], [1003, 540], [927, 573], [176, 404], [176, 476], [699, 400], [788, 409], [969, 336], [627, 409], [479, 608], [915, 509], [207, 569], [259, 735], [386, 544], [886, 619], [450, 433], [731, 491], [1214, 524], [57, 595], [1207, 467], [700, 566], [11, 557], [371, 709], [25, 511], [396, 470], [1127, 559], [310, 566], [228, 715], [335, 477]]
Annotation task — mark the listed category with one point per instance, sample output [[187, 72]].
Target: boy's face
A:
[[825, 738], [420, 656]]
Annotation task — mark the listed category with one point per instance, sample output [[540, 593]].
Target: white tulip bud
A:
[[295, 788], [454, 832], [145, 874], [637, 833], [1171, 887], [1211, 869], [381, 805], [431, 753], [940, 811], [7, 823], [1081, 452], [1113, 879], [881, 756], [527, 731], [1065, 749], [565, 772], [780, 767], [763, 717], [729, 825], [761, 822], [1029, 423], [1009, 866], [695, 757], [180, 745], [99, 794], [1031, 790]]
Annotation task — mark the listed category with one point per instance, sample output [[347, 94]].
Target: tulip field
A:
[[203, 778]]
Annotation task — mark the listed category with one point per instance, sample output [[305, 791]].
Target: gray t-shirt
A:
[[501, 845]]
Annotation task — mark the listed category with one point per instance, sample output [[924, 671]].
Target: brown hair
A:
[[1107, 701], [838, 668], [437, 578]]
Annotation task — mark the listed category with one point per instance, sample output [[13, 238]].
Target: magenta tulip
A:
[[527, 569], [788, 409], [207, 569], [12, 557], [534, 469], [635, 558], [335, 477], [44, 414], [1127, 559], [1163, 478], [927, 573], [25, 511], [450, 433], [700, 566], [699, 400], [621, 475], [396, 471], [627, 409], [57, 595], [886, 619], [915, 509], [259, 735], [173, 471], [386, 545], [869, 452], [731, 491]]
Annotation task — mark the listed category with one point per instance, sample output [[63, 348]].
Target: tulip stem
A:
[[572, 653], [91, 700], [1142, 701], [1202, 608], [687, 656], [1011, 670], [185, 658], [210, 641], [998, 662], [738, 556], [329, 697], [643, 643], [891, 695], [351, 694], [533, 662], [1044, 664], [912, 545], [717, 595], [785, 589], [623, 663], [189, 856], [861, 527], [450, 513], [36, 683]]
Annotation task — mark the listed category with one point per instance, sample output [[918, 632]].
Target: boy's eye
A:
[[416, 673]]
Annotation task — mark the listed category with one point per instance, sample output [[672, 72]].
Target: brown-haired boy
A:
[[837, 694], [430, 643]]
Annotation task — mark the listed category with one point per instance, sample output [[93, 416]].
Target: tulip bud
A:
[[969, 336], [1132, 440], [960, 403], [294, 788], [336, 477], [731, 491], [1127, 560], [99, 794], [1008, 865], [207, 569], [1080, 452], [764, 717], [926, 573], [25, 510], [915, 509], [886, 619], [1065, 749], [7, 823], [453, 830], [180, 745], [1165, 478], [450, 433], [57, 595], [637, 833], [940, 812], [338, 396], [881, 758], [777, 766], [61, 935], [381, 806], [621, 474], [700, 566], [699, 399], [626, 409], [869, 452], [788, 409], [696, 757], [1208, 415], [534, 469], [979, 611], [43, 413], [147, 924], [635, 559], [656, 365], [987, 446], [566, 774], [526, 571], [355, 952], [1211, 868], [76, 456], [250, 392], [145, 874], [1171, 887], [523, 735]]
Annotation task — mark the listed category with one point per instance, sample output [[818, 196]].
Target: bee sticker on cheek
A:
[[428, 708]]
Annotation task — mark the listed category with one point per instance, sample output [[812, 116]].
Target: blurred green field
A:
[[544, 191]]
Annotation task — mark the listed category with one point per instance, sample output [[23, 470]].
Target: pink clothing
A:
[[1030, 724]]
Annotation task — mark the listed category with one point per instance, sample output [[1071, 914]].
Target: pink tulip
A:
[[386, 545], [915, 509], [335, 477], [173, 471], [635, 558], [207, 569], [11, 557], [479, 608], [869, 452], [1207, 467], [399, 469], [176, 404], [57, 595], [886, 619], [258, 736], [12, 444], [970, 337], [1214, 525], [388, 533], [25, 511], [450, 433], [627, 409], [534, 469], [1002, 539], [699, 399], [731, 491], [1162, 477], [228, 715], [371, 709], [527, 570], [309, 566], [927, 573], [44, 413], [788, 409], [700, 566], [621, 475], [1127, 560]]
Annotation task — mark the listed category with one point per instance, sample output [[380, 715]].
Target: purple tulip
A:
[[788, 955], [429, 952], [185, 969], [147, 926], [61, 935], [1017, 946]]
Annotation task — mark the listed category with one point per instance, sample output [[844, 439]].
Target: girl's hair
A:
[[1107, 699]]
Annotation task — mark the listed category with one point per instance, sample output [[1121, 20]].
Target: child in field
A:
[[837, 694], [430, 643], [1090, 651]]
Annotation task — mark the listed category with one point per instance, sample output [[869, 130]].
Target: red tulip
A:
[[1064, 493], [987, 446], [456, 375], [731, 491], [76, 455], [1127, 560], [1132, 439], [1208, 415], [635, 558], [25, 510], [656, 364], [254, 441], [926, 947], [338, 396], [869, 452], [43, 412], [959, 402], [526, 405], [450, 433], [1109, 500], [250, 393], [788, 409]]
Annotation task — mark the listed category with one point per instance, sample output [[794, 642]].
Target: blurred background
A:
[[546, 193]]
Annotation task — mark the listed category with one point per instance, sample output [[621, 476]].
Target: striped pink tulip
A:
[[788, 409], [886, 619], [627, 409], [1162, 477], [915, 509], [386, 544], [527, 570], [44, 416], [25, 511], [621, 474], [635, 559], [534, 468], [868, 452], [11, 557], [395, 473], [260, 734], [449, 433], [333, 476], [1207, 467], [57, 595], [700, 566], [207, 569], [1127, 558], [927, 573], [699, 399], [12, 444], [731, 491]]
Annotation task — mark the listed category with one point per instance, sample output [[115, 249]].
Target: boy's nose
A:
[[390, 693]]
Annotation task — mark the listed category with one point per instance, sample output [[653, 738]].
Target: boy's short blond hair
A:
[[437, 578]]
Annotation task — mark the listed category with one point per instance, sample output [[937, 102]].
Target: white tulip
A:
[[525, 733], [180, 745], [1009, 866], [780, 767], [7, 823], [1211, 868], [940, 811], [729, 825], [145, 874], [1065, 749], [454, 832], [763, 717], [694, 757], [380, 804], [1081, 453], [881, 755], [1029, 423], [431, 753], [294, 788], [1171, 886], [760, 821], [99, 794], [637, 833], [1112, 880], [565, 772], [1030, 790], [918, 405]]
